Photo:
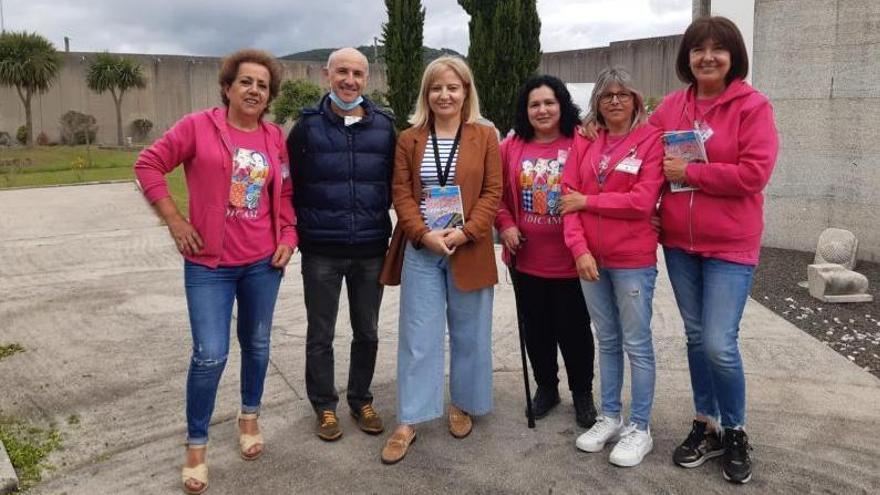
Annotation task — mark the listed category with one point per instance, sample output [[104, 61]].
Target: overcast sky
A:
[[216, 27]]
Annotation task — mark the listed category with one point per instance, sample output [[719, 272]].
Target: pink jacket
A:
[[616, 226], [726, 215], [201, 142]]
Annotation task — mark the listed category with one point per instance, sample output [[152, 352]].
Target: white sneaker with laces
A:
[[633, 446], [605, 430]]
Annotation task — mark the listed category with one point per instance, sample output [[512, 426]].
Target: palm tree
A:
[[29, 63], [116, 74]]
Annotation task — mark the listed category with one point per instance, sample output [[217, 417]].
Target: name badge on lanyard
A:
[[629, 165]]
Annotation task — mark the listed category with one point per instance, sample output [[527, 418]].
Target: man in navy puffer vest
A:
[[342, 157]]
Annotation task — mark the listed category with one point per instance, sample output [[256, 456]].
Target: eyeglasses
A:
[[622, 97]]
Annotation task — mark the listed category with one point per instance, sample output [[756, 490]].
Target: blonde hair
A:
[[470, 111]]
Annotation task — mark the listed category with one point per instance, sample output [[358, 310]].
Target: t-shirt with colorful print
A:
[[248, 235], [544, 254]]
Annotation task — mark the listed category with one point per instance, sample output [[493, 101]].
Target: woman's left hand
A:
[[454, 239], [674, 169], [282, 255]]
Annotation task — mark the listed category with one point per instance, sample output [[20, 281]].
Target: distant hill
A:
[[321, 54]]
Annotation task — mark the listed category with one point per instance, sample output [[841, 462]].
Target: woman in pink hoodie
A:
[[615, 182], [711, 230], [239, 237]]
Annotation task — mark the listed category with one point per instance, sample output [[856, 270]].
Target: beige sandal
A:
[[198, 473], [247, 442]]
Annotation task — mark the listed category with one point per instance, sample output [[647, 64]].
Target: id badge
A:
[[629, 165], [703, 130]]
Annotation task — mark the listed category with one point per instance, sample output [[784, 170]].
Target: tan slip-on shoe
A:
[[198, 474], [460, 424], [397, 445], [247, 442]]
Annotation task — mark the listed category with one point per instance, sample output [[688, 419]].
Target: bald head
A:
[[348, 55]]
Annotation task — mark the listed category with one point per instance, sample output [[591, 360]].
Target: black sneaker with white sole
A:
[[699, 446], [736, 465]]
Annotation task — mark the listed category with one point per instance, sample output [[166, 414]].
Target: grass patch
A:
[[58, 165], [7, 350], [28, 446]]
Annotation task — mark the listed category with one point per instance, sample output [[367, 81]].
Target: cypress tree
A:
[[505, 49], [402, 37]]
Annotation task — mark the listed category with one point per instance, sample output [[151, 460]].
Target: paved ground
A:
[[91, 286]]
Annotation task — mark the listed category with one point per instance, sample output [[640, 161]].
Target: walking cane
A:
[[522, 342]]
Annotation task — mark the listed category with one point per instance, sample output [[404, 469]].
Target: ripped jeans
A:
[[620, 307], [209, 296]]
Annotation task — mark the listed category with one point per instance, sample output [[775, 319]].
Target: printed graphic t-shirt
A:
[[544, 254], [249, 236]]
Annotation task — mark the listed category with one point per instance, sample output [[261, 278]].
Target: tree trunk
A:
[[28, 117], [118, 102]]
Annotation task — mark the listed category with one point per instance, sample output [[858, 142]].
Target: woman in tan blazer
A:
[[446, 269]]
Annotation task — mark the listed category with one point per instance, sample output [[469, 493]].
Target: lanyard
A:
[[443, 175]]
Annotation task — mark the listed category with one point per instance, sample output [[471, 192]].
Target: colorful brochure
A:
[[443, 208], [687, 145]]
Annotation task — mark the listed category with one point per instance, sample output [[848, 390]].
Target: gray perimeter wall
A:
[[651, 62], [177, 85], [819, 62]]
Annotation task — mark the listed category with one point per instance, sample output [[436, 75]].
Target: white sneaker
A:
[[605, 430], [633, 446]]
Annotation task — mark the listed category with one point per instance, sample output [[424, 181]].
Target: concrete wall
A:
[[819, 62], [176, 85], [651, 62]]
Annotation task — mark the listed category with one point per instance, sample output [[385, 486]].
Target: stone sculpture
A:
[[831, 277]]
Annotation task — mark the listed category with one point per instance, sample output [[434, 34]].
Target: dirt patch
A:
[[852, 330]]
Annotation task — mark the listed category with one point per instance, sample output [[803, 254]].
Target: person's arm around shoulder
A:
[[406, 205], [286, 216], [483, 213], [505, 220], [758, 147]]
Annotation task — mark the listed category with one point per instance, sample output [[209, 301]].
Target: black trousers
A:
[[555, 315], [322, 283]]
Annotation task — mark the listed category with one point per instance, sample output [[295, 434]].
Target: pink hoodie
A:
[[725, 218], [201, 142], [616, 226]]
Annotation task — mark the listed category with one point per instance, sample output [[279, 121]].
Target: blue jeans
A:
[[620, 307], [711, 295], [209, 297], [428, 298]]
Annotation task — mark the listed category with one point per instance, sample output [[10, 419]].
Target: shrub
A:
[[294, 95], [43, 139], [5, 139], [141, 128], [76, 127], [21, 135]]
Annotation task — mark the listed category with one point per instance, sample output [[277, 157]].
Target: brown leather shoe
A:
[[328, 426], [460, 424], [397, 445], [368, 420]]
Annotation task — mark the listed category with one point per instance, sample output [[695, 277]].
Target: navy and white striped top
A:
[[428, 171]]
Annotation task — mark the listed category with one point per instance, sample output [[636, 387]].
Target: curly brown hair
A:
[[231, 63]]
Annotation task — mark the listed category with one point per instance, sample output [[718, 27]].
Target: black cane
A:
[[522, 341]]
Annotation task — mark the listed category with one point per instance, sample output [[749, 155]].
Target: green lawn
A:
[[57, 165]]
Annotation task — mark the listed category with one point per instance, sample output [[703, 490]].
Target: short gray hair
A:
[[620, 76]]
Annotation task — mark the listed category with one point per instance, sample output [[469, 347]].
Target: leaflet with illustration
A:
[[687, 145], [443, 208]]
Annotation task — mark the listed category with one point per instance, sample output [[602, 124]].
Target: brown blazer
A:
[[478, 173]]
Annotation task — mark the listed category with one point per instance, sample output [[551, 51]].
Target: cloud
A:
[[216, 27]]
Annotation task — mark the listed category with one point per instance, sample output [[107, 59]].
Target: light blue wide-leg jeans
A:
[[428, 300]]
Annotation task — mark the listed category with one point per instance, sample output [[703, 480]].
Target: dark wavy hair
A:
[[568, 111], [724, 32]]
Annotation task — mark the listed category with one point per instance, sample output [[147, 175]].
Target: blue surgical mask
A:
[[345, 107]]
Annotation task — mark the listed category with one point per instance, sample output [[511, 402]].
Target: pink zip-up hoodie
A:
[[725, 217], [201, 142], [616, 226]]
